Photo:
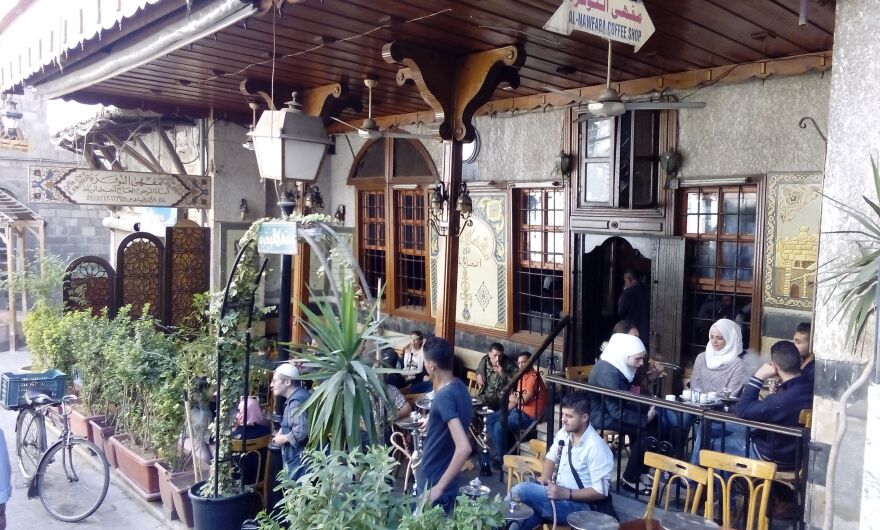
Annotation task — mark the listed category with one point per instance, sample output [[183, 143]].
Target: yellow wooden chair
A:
[[473, 387], [539, 447], [520, 468], [579, 373], [693, 478], [758, 476], [255, 448]]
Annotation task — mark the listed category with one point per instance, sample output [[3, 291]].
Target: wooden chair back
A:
[[579, 373], [519, 468], [679, 471], [473, 388], [806, 418], [539, 447], [757, 475], [255, 448]]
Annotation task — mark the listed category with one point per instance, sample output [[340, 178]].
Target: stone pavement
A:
[[120, 509]]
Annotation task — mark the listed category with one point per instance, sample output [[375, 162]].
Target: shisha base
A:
[[485, 464]]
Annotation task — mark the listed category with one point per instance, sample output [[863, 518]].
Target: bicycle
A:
[[71, 477]]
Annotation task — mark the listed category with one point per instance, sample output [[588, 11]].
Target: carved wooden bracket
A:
[[323, 101], [455, 87]]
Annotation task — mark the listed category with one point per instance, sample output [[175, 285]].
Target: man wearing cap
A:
[[294, 427]]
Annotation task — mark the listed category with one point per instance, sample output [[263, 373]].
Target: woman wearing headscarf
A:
[[720, 366], [616, 370]]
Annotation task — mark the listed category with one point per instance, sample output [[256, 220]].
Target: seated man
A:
[[493, 374], [294, 432], [783, 408], [583, 470], [414, 365], [802, 341], [525, 405]]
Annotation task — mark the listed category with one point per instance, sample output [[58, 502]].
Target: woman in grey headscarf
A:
[[616, 370]]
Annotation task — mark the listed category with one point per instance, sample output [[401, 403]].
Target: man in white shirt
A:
[[583, 463]]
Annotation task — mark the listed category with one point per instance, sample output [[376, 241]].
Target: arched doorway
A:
[[598, 293]]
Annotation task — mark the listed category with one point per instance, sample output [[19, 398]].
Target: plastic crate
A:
[[13, 387]]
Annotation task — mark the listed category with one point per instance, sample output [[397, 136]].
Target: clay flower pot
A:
[[140, 472]]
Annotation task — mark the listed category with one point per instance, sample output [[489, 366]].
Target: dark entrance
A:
[[598, 286]]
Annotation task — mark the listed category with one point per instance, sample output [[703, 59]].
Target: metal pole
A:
[[247, 362], [284, 327]]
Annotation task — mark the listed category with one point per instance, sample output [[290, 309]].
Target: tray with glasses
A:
[[701, 399]]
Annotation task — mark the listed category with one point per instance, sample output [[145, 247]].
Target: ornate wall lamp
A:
[[463, 205], [340, 214], [313, 199], [243, 209]]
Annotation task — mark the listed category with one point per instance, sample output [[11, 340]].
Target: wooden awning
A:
[[14, 213], [320, 42]]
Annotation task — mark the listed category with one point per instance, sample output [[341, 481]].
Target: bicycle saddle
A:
[[38, 396]]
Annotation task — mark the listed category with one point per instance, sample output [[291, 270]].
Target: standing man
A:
[[525, 405], [294, 431], [493, 374], [634, 304], [584, 465], [446, 446], [802, 341]]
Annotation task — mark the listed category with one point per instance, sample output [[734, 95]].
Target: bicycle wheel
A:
[[72, 480], [30, 441]]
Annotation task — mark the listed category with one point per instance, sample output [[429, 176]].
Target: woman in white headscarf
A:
[[720, 366], [616, 370]]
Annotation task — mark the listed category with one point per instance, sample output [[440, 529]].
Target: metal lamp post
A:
[[290, 146]]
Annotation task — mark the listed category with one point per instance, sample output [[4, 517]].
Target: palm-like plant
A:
[[856, 281], [349, 386]]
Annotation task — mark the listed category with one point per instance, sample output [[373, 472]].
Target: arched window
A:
[[391, 178]]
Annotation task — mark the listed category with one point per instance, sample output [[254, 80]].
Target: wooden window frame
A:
[[391, 185], [516, 265], [734, 287]]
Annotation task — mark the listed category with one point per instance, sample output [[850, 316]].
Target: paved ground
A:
[[121, 509]]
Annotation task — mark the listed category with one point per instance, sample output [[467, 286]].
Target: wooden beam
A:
[[130, 151], [454, 87], [719, 76], [175, 158], [148, 153]]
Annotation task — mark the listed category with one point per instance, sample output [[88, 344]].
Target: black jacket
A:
[[612, 413], [782, 408]]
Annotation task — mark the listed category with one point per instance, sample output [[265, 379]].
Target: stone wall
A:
[[853, 138]]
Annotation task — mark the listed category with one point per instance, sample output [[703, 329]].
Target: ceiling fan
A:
[[369, 129], [609, 103]]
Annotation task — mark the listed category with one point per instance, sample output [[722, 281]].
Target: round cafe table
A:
[[592, 521], [516, 512], [686, 521]]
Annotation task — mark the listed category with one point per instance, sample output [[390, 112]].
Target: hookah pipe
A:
[[554, 476]]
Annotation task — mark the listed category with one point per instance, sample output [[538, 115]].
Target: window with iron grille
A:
[[540, 240], [391, 179], [371, 220], [410, 271], [719, 224]]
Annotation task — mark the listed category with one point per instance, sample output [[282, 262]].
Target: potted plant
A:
[[221, 502], [147, 371], [350, 490]]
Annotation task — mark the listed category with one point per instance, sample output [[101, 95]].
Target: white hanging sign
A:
[[625, 21]]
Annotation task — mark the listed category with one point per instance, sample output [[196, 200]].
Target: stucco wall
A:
[[854, 136], [752, 128]]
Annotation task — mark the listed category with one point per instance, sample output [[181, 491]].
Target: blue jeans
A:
[[445, 501], [535, 495], [516, 419]]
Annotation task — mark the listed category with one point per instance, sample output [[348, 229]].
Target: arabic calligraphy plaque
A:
[[77, 185]]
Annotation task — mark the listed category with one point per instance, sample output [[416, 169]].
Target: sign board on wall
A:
[[482, 263], [79, 185], [625, 21]]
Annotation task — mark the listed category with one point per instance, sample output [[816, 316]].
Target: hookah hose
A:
[[553, 479]]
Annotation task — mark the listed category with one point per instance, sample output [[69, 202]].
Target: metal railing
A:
[[675, 441], [560, 326]]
